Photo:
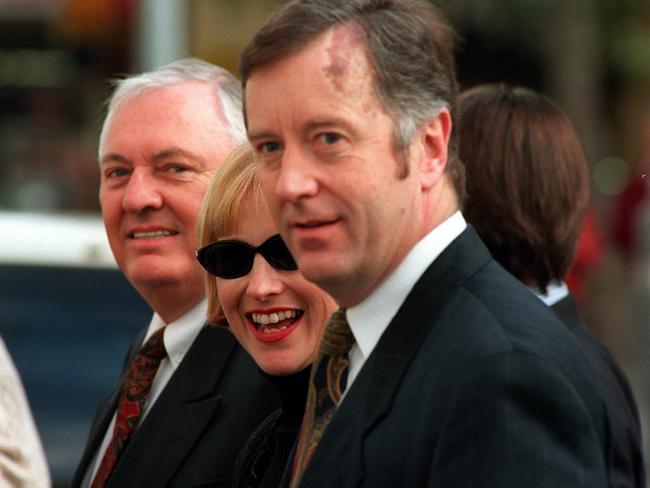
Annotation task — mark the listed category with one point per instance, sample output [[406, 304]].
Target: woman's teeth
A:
[[276, 321], [273, 318]]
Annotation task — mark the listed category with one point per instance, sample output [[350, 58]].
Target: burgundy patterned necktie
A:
[[135, 391], [327, 383]]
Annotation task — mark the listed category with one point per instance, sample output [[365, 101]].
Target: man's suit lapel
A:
[[180, 415], [380, 377], [105, 411], [416, 317]]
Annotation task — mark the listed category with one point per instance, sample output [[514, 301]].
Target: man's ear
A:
[[434, 139]]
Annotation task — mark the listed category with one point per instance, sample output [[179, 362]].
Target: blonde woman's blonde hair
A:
[[234, 187]]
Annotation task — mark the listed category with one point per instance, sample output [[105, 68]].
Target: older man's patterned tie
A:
[[326, 386], [135, 391]]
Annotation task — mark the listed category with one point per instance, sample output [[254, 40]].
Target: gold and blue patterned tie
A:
[[327, 383]]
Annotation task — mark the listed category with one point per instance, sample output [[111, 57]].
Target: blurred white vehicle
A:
[[54, 239]]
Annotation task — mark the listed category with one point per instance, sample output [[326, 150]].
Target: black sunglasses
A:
[[234, 259]]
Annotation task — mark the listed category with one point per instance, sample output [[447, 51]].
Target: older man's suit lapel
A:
[[380, 377], [103, 417], [185, 407]]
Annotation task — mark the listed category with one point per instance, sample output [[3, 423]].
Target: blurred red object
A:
[[589, 254], [629, 205]]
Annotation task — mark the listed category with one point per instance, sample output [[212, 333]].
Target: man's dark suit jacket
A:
[[192, 434], [475, 383], [625, 458]]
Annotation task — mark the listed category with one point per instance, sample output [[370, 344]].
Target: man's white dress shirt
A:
[[370, 317]]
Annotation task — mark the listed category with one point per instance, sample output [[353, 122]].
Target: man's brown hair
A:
[[527, 180], [410, 48]]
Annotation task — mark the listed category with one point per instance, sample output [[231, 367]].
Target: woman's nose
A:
[[263, 280]]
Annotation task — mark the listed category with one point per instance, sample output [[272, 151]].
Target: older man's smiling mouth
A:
[[154, 234]]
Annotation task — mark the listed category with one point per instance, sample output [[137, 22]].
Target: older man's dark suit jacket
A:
[[475, 383], [192, 434], [626, 457]]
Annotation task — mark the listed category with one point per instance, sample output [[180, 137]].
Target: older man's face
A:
[[160, 152], [325, 157]]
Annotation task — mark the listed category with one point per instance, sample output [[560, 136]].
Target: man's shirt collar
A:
[[370, 318], [180, 334], [555, 291]]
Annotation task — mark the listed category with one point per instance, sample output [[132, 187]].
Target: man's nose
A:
[[297, 178], [141, 193]]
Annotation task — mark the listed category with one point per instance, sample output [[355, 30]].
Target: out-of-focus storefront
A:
[[54, 56], [55, 59]]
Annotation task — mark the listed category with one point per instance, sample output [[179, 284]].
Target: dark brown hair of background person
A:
[[528, 181], [410, 47]]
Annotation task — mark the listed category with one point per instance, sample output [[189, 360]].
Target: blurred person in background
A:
[[276, 314], [527, 196], [630, 222], [22, 460], [189, 396]]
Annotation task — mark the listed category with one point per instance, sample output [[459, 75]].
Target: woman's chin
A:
[[282, 368]]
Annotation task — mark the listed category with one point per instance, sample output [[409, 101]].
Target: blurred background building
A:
[[591, 56]]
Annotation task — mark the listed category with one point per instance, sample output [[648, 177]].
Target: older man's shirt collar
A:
[[180, 334]]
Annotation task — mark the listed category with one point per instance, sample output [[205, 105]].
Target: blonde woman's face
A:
[[277, 316]]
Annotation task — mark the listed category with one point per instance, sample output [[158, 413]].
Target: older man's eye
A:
[[116, 172], [177, 168]]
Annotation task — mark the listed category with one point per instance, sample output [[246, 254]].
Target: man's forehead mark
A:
[[346, 66], [335, 71], [336, 66]]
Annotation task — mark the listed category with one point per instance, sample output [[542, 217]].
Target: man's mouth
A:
[[274, 322], [155, 234], [308, 225]]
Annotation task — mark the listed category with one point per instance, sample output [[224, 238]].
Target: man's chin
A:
[[150, 273], [326, 275]]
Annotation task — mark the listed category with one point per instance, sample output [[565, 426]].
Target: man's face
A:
[[325, 157], [161, 150]]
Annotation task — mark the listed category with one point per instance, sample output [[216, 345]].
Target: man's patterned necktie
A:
[[135, 391], [327, 383]]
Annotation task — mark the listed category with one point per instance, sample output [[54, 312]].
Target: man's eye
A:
[[176, 168], [116, 172], [269, 147], [330, 138]]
